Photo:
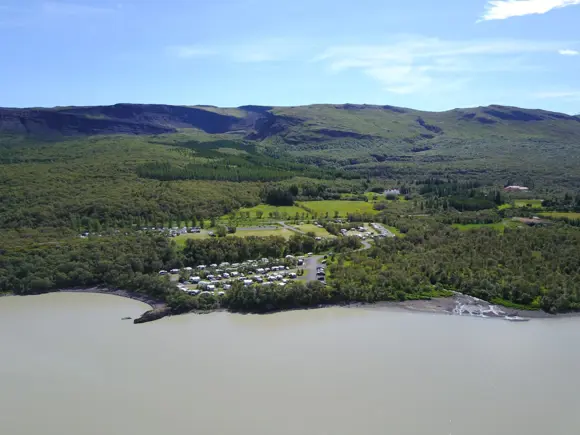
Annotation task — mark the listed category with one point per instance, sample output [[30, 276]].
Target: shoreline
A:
[[154, 304], [467, 306], [158, 309], [458, 305]]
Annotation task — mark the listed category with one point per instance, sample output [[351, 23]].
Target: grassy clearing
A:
[[182, 238], [307, 228], [499, 226], [281, 232], [269, 211], [521, 203], [342, 207], [562, 214], [395, 231]]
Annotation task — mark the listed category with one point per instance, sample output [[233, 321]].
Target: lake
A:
[[70, 366]]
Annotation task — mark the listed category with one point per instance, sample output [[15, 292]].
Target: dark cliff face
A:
[[50, 123], [121, 119], [251, 122], [169, 116]]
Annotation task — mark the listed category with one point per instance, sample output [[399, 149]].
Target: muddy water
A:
[[70, 366]]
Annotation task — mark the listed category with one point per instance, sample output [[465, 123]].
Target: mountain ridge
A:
[[325, 121]]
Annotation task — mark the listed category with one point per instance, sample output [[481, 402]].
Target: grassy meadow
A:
[[181, 240], [521, 203], [308, 228], [342, 207], [498, 226], [270, 211]]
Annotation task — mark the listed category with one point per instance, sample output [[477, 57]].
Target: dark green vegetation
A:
[[228, 160], [129, 262], [528, 268], [68, 170]]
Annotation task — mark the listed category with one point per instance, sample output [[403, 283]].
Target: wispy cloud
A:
[[189, 51], [565, 95], [269, 50], [416, 64], [568, 52], [503, 9], [75, 9]]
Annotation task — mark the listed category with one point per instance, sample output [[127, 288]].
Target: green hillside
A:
[[217, 160], [85, 190]]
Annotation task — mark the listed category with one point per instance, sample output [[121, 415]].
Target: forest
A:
[[522, 268], [112, 186], [525, 268], [228, 160]]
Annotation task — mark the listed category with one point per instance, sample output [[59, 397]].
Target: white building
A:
[[392, 192], [515, 189]]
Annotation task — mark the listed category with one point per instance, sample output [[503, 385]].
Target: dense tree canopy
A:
[[532, 268]]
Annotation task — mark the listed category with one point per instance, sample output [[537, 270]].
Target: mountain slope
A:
[[379, 139], [292, 124]]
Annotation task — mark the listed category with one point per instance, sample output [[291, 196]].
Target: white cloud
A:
[[189, 51], [568, 52], [268, 50], [502, 9], [419, 64]]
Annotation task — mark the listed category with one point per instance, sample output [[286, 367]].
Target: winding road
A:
[[311, 264]]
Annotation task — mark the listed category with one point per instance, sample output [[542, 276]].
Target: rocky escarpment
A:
[[300, 124], [44, 122], [122, 119]]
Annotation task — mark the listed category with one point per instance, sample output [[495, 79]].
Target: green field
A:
[[520, 203], [270, 211], [342, 207], [499, 226], [558, 214], [181, 239], [395, 231], [282, 232], [307, 228]]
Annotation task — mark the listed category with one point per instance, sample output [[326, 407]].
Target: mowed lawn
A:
[[289, 211], [520, 203], [342, 207], [561, 214], [311, 228], [181, 240], [281, 232]]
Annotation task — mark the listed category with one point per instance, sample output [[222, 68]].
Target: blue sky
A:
[[424, 54]]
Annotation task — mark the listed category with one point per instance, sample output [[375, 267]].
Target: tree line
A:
[[530, 268]]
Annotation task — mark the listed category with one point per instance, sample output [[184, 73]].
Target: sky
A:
[[424, 54]]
